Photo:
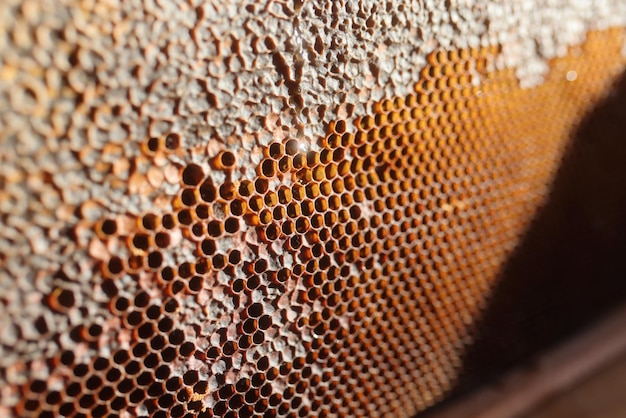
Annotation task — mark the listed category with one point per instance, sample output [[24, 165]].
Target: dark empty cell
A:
[[165, 324], [253, 282], [171, 305], [296, 402], [192, 175], [219, 261], [202, 387], [258, 337], [38, 386], [80, 370], [66, 409], [283, 409], [157, 342], [208, 247], [155, 259], [119, 403], [266, 391], [106, 393], [258, 380], [295, 242], [115, 265], [202, 266], [145, 378], [134, 318], [213, 352], [255, 310], [263, 363], [261, 406], [237, 207], [153, 144], [99, 411], [265, 322], [140, 349], [220, 408], [272, 232], [141, 299], [174, 383], [238, 285], [153, 312], [132, 367], [187, 349], [195, 284], [162, 372], [177, 337], [185, 217], [202, 211], [208, 192], [156, 389], [87, 401], [73, 389], [94, 330], [109, 227], [231, 225], [250, 326], [275, 150], [137, 396], [227, 159], [168, 221], [166, 400], [190, 377], [177, 411], [245, 342], [141, 241], [236, 401], [94, 382], [252, 396], [67, 358], [146, 330], [168, 274], [162, 239], [215, 228], [234, 257], [54, 398], [229, 348], [298, 363], [226, 391], [260, 266], [268, 168], [62, 299], [113, 375], [150, 221], [194, 406], [278, 213], [185, 270], [261, 185]]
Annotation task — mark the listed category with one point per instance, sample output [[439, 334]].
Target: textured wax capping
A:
[[206, 211]]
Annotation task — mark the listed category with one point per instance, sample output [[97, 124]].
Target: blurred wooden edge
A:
[[553, 372]]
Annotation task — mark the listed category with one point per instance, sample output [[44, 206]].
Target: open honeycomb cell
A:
[[198, 237]]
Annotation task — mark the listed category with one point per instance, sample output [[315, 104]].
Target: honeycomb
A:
[[344, 274]]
